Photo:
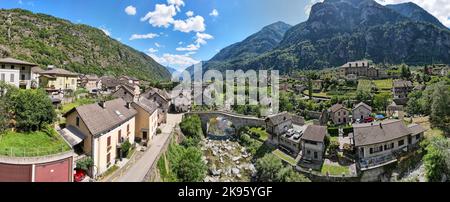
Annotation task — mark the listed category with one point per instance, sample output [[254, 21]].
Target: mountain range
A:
[[47, 40], [338, 31]]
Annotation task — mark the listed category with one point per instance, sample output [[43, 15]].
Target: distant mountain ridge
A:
[[338, 31], [47, 40]]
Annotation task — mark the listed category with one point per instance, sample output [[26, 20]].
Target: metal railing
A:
[[32, 152]]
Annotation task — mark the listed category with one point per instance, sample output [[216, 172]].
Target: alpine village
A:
[[364, 96]]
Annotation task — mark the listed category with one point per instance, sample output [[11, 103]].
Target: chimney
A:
[[50, 67], [102, 104], [128, 105]]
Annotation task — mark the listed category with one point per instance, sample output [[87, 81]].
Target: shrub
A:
[[334, 132], [158, 131], [85, 164], [126, 147]]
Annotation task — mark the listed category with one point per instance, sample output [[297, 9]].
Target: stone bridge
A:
[[238, 120]]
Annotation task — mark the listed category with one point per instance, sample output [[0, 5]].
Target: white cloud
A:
[[196, 24], [130, 10], [190, 53], [190, 13], [143, 36], [162, 16], [180, 61], [105, 30], [214, 13], [152, 50], [176, 3], [190, 47], [439, 8], [119, 39], [202, 37], [180, 43], [158, 45]]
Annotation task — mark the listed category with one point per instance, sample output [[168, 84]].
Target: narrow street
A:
[[136, 170]]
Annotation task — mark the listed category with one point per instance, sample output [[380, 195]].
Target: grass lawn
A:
[[321, 94], [365, 85], [32, 144], [334, 170], [263, 135], [109, 171], [79, 102], [385, 84], [285, 157]]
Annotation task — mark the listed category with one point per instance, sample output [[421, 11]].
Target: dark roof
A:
[[374, 133], [109, 82], [162, 93], [15, 61], [37, 70], [402, 84], [362, 104], [58, 71], [99, 120], [337, 107], [276, 119], [416, 129], [315, 133], [147, 105]]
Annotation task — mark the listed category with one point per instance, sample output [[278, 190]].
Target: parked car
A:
[[79, 175], [369, 120]]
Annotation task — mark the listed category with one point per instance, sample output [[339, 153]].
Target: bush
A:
[[85, 164], [333, 147], [126, 148], [158, 131], [347, 130], [191, 167], [191, 126], [334, 132]]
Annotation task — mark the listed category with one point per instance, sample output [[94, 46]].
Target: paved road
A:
[[137, 171]]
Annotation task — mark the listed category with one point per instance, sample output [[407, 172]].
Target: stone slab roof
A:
[[374, 133]]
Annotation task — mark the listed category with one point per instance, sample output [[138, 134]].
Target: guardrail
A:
[[32, 152]]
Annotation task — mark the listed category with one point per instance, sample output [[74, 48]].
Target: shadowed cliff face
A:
[[338, 31]]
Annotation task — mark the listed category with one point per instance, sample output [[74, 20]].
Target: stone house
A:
[[89, 82], [101, 129], [361, 111], [163, 99], [128, 93], [108, 84], [277, 125], [339, 114], [401, 89], [358, 69], [378, 144], [313, 143]]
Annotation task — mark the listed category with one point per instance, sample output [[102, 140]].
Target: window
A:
[[339, 113], [12, 66], [417, 136], [339, 120], [401, 143], [128, 129], [371, 150], [119, 137], [23, 68], [23, 76], [109, 141], [11, 78], [78, 121], [315, 155], [108, 159], [2, 77], [3, 66]]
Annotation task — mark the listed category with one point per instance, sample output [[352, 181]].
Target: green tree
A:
[[440, 110], [413, 107], [191, 126], [191, 167], [32, 109], [381, 101], [268, 167], [436, 160], [363, 96], [405, 72], [288, 174]]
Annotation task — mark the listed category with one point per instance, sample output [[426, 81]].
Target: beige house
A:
[[339, 114], [58, 79], [16, 72], [129, 93], [100, 130], [146, 119], [361, 111], [379, 144]]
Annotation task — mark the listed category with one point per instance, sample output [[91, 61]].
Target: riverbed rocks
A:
[[227, 161]]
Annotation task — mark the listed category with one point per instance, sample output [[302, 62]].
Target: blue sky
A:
[[175, 37], [234, 21]]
